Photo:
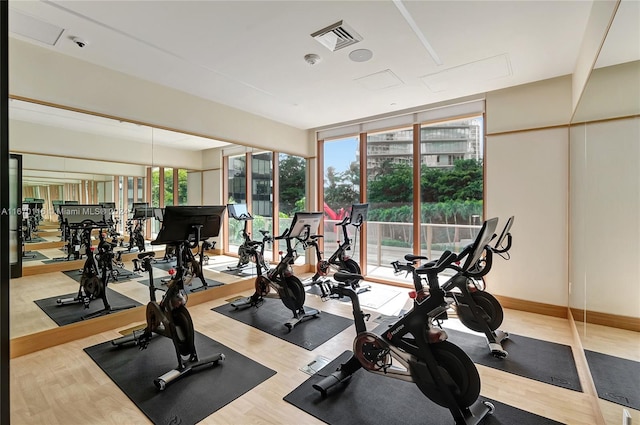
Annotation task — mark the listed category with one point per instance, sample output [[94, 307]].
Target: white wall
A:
[[600, 18], [540, 104], [194, 187], [527, 176], [73, 168], [45, 75], [63, 143], [605, 194], [613, 91], [606, 206], [212, 193]]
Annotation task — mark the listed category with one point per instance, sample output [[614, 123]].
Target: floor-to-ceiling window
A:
[[155, 199], [341, 188], [451, 186], [423, 184], [181, 193], [389, 172], [262, 196], [292, 172], [237, 194], [168, 186]]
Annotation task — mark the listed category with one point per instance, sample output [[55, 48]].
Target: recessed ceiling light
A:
[[361, 55]]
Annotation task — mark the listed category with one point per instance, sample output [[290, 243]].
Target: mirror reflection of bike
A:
[[97, 268], [240, 213]]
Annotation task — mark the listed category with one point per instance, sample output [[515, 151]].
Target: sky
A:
[[340, 153]]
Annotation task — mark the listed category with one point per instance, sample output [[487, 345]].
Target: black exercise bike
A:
[[442, 371], [245, 254], [96, 269], [183, 227], [339, 260], [476, 308], [281, 278]]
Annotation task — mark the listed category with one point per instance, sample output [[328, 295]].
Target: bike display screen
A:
[[239, 211], [484, 237], [179, 223]]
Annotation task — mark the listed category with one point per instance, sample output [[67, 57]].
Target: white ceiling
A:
[[249, 54]]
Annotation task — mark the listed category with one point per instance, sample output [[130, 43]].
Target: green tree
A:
[[292, 182], [339, 191], [393, 185]]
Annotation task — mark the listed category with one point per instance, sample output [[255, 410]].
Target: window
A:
[[181, 193], [341, 186], [390, 197], [237, 189], [451, 189], [449, 197]]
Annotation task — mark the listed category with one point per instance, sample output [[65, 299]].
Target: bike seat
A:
[[344, 276], [314, 237], [411, 257], [144, 255]]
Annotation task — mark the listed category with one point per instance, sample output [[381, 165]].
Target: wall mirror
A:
[[604, 291], [75, 156]]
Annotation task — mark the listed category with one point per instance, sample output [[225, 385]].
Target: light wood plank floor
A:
[[62, 385]]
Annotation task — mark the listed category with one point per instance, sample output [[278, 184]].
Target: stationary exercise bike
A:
[[95, 271], [183, 227], [412, 348], [281, 278], [135, 225], [476, 308], [339, 260], [240, 213], [192, 265]]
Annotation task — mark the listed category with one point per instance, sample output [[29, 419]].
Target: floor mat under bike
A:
[[194, 285], [531, 358], [271, 316], [72, 313], [616, 379], [188, 400], [374, 399], [121, 275], [33, 256]]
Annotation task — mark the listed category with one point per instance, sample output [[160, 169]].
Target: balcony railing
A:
[[386, 241]]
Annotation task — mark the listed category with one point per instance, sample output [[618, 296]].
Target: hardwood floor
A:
[[62, 385]]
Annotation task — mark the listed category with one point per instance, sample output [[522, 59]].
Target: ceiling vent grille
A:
[[337, 36]]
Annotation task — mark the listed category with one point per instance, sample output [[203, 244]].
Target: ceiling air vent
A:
[[337, 36]]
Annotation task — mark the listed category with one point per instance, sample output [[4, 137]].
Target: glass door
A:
[[15, 219]]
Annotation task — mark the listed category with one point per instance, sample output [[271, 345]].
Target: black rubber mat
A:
[[166, 266], [188, 400], [71, 313], [616, 379], [36, 239], [271, 316], [58, 260], [248, 271], [34, 256], [123, 275], [531, 358], [195, 285], [378, 400]]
